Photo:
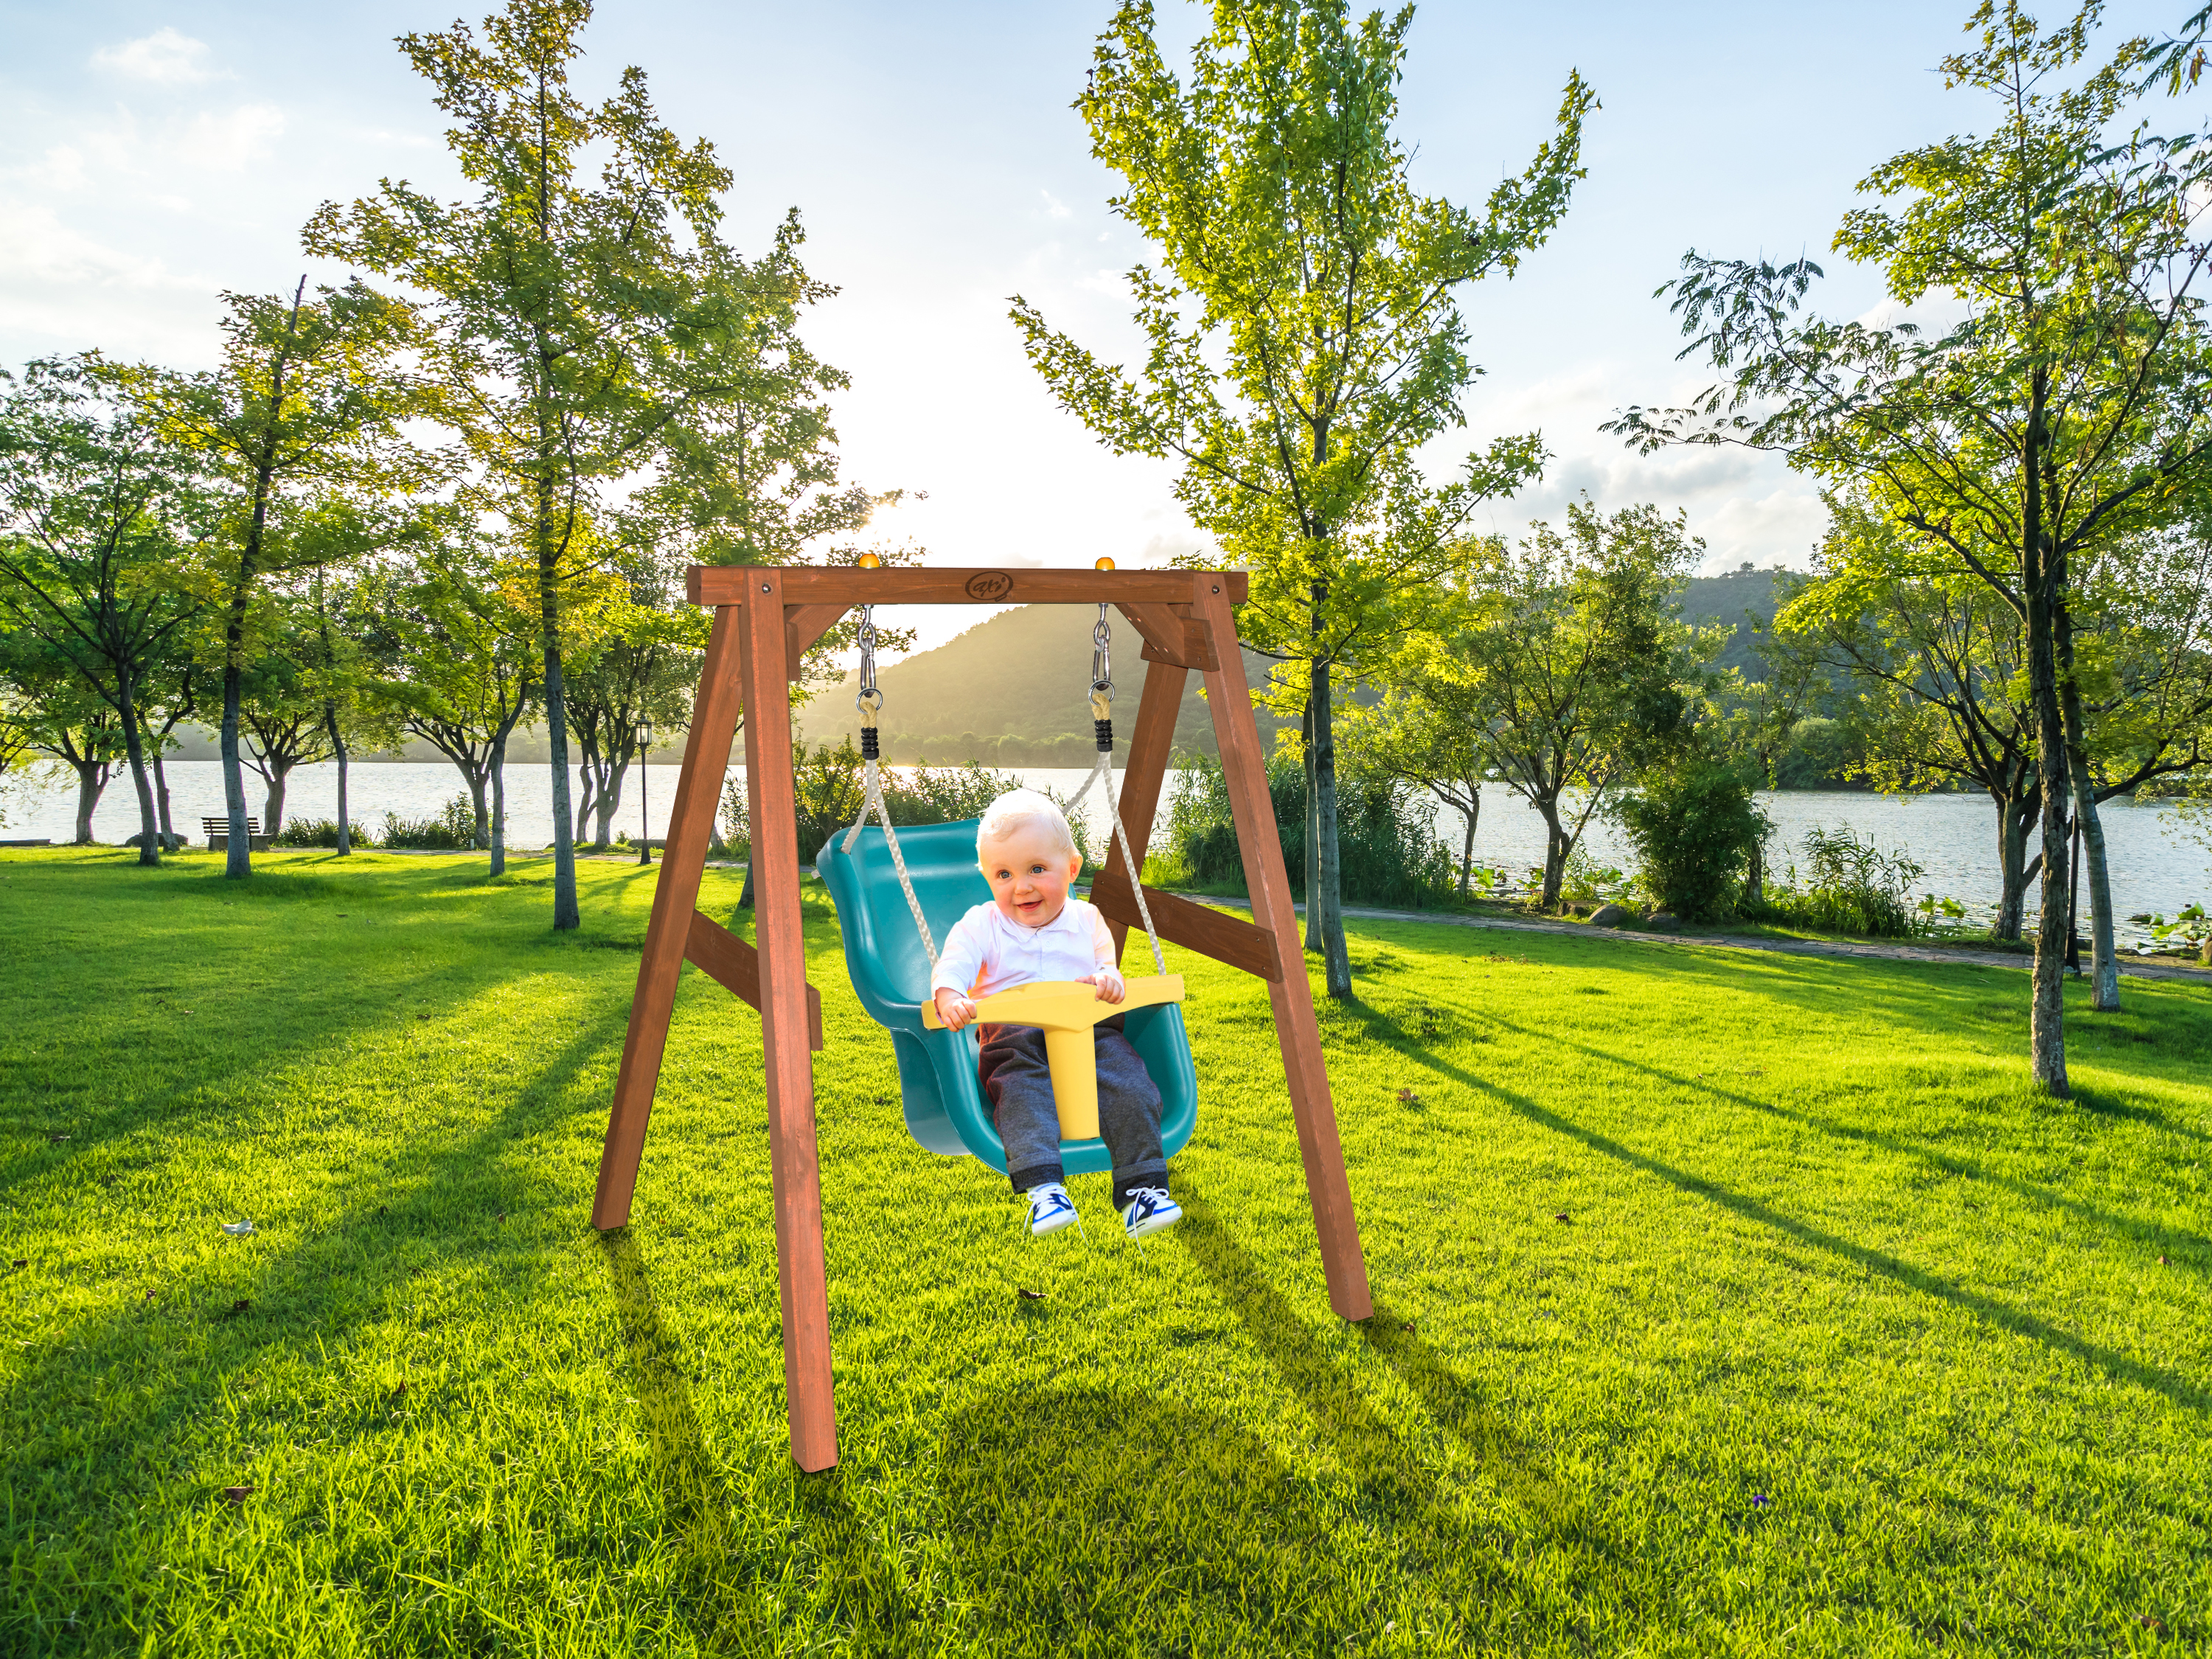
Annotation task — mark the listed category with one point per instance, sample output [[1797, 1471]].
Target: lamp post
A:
[[644, 817]]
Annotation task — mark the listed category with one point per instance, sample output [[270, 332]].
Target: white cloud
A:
[[164, 58], [1055, 208], [227, 143]]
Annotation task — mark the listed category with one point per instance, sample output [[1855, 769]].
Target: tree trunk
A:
[[587, 776], [91, 779], [237, 862], [2045, 583], [1754, 873], [1311, 872], [610, 801], [565, 915], [1467, 847], [1557, 845], [337, 744], [134, 746], [161, 800], [2015, 818], [272, 808], [2104, 968], [1327, 897], [480, 835], [499, 804]]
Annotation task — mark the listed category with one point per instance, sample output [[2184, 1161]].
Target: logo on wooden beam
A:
[[986, 586]]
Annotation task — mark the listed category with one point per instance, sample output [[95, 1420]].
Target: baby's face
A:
[[1028, 875]]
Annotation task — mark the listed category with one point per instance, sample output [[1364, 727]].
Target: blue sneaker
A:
[[1149, 1210], [1050, 1209]]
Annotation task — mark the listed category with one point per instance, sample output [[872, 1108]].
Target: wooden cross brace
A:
[[765, 618]]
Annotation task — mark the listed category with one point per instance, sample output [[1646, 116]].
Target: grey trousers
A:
[[1019, 1084]]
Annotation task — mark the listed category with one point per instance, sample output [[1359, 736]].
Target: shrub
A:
[[1847, 886], [1386, 836], [1694, 827], [454, 829], [828, 785], [311, 832]]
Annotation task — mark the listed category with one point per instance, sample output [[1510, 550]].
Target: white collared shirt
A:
[[985, 952]]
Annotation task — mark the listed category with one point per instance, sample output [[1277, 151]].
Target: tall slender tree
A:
[[588, 336], [2071, 407], [307, 401], [1305, 335], [100, 524]]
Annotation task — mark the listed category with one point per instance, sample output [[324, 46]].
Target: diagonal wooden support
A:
[[735, 965], [1245, 768], [675, 901], [794, 1167], [1227, 940]]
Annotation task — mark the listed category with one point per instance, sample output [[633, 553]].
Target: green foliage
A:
[[1695, 828], [1391, 853], [1848, 886], [324, 832], [828, 789], [454, 828]]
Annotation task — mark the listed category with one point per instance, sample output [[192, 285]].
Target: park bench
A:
[[217, 831]]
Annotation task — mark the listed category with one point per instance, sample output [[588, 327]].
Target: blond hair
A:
[[1017, 808]]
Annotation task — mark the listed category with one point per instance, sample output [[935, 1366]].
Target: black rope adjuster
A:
[[1102, 684]]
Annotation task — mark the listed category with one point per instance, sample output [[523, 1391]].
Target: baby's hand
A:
[[955, 1010], [1108, 983]]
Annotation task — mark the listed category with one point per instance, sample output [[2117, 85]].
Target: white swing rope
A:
[[1101, 771], [870, 703]]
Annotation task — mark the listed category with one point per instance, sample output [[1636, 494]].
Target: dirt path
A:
[[2132, 967]]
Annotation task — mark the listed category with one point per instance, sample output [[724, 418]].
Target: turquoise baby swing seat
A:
[[946, 1110]]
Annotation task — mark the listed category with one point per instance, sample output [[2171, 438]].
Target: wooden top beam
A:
[[849, 584]]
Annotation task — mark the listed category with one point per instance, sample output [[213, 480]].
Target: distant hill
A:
[[1736, 597], [1013, 691]]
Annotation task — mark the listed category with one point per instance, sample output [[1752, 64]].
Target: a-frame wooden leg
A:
[[795, 1170], [1149, 745], [1244, 770], [675, 898]]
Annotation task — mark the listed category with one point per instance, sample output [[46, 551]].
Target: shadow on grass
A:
[[689, 1490], [2123, 1368], [118, 1398], [2156, 1235]]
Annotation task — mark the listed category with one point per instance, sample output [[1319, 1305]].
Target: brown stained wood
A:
[[849, 584], [795, 1165], [1245, 770], [675, 901], [803, 624], [1150, 743], [1172, 635], [1228, 940], [733, 965]]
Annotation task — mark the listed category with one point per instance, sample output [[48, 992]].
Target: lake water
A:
[[1954, 836]]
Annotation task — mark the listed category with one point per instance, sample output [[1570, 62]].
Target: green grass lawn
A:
[[1726, 1304]]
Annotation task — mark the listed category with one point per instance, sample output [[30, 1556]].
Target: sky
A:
[[152, 155]]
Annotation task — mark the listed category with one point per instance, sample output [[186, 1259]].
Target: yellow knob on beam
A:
[[1104, 564], [870, 561], [1065, 1010]]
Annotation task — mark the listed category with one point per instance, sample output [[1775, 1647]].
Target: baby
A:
[[1032, 931]]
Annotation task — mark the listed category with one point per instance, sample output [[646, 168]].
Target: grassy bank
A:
[[1729, 1306]]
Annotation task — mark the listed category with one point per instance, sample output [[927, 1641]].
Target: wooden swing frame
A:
[[765, 619]]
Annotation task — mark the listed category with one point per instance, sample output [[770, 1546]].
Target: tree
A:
[[306, 402], [2070, 409], [1305, 334], [590, 338], [99, 521], [1939, 660], [456, 634], [1417, 740], [1757, 724], [638, 680], [1564, 663]]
